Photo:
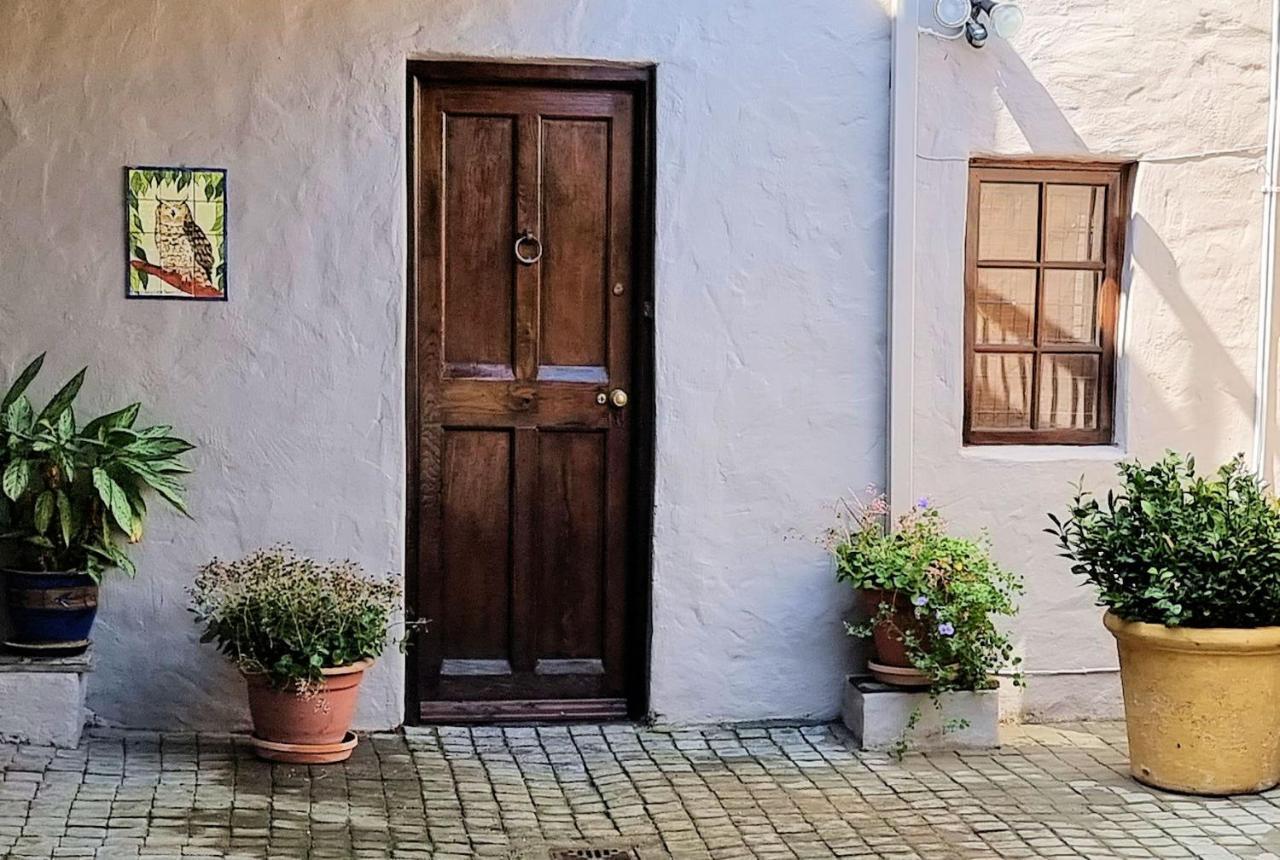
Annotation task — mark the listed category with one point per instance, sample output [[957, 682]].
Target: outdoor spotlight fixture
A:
[[953, 13], [1002, 18], [1006, 18]]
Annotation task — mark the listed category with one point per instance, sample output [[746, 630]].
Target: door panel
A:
[[476, 544], [575, 219], [571, 536], [524, 458], [479, 300]]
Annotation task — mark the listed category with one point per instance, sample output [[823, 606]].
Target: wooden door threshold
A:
[[525, 711]]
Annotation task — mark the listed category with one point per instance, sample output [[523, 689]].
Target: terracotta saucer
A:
[[898, 676], [48, 649], [305, 753]]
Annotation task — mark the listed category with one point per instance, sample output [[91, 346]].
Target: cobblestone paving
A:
[[520, 792]]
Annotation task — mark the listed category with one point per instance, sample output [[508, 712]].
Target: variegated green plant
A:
[[72, 494]]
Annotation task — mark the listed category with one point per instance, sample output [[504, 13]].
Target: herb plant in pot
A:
[[302, 633], [72, 495], [1188, 567], [931, 599]]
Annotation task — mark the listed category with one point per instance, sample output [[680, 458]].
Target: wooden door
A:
[[525, 211]]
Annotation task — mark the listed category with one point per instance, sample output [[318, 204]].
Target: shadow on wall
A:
[[1046, 128], [1202, 350]]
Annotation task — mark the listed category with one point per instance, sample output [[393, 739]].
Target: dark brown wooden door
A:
[[525, 217]]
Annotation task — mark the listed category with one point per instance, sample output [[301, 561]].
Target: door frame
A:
[[639, 79]]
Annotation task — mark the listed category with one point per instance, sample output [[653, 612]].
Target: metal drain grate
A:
[[593, 854]]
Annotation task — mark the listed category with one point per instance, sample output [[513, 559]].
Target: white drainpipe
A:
[[1263, 423], [902, 262]]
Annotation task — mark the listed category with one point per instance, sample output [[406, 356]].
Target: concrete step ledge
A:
[[42, 701], [878, 715]]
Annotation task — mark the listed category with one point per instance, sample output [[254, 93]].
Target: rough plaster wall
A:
[[771, 241], [1182, 89]]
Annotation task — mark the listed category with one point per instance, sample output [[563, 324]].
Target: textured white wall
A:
[[772, 194], [1180, 88]]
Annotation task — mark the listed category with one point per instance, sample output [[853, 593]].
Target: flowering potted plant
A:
[[72, 496], [1188, 568], [302, 633], [931, 599]]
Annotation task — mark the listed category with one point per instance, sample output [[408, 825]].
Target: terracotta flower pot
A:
[[891, 664], [321, 719]]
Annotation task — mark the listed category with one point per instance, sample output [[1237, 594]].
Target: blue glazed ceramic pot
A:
[[51, 610]]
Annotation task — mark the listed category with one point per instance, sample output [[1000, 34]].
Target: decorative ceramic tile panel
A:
[[177, 229]]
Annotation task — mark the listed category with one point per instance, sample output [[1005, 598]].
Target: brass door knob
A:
[[618, 398]]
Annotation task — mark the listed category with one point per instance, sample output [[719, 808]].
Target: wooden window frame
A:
[[1115, 178]]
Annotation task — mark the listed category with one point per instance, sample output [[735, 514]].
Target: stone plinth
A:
[[42, 700], [879, 716]]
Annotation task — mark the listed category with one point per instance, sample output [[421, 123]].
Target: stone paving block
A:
[[715, 791]]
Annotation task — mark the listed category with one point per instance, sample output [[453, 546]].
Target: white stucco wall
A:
[[772, 194], [1180, 88]]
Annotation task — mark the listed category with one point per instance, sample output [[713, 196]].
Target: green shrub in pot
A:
[[1188, 567], [303, 633], [288, 617], [73, 494], [1175, 548], [72, 498], [933, 595]]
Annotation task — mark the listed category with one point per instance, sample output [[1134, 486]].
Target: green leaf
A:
[[63, 398], [169, 488], [155, 432], [66, 424], [17, 475], [141, 253], [113, 496], [113, 420], [155, 449], [139, 506], [21, 383], [20, 416], [66, 517], [65, 465], [125, 563], [44, 511]]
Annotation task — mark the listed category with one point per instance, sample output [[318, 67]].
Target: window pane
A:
[[1006, 302], [1008, 221], [1068, 392], [1001, 391], [1070, 307], [1073, 222]]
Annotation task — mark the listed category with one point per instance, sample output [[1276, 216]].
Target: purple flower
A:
[[922, 502], [921, 600], [946, 628]]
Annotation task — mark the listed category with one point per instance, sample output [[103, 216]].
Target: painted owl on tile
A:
[[183, 246]]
